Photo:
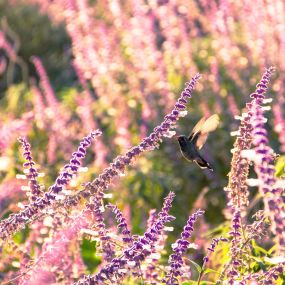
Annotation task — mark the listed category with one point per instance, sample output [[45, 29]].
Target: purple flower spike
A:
[[237, 187], [212, 247], [71, 169], [35, 188], [102, 182], [253, 132], [45, 83], [132, 257], [264, 168], [17, 221], [96, 210], [122, 224], [235, 247], [179, 248], [149, 143]]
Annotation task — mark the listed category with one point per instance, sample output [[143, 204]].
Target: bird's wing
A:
[[197, 128], [200, 135]]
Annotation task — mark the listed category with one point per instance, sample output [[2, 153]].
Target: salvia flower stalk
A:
[[118, 166], [235, 250], [263, 161], [180, 247], [34, 190], [212, 248], [263, 156], [96, 209], [239, 174], [151, 270], [206, 258], [237, 187], [18, 220], [132, 257], [45, 83], [122, 224]]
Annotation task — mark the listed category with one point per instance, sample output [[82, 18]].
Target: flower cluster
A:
[[130, 58], [212, 247], [34, 187], [96, 209], [236, 259], [237, 187], [117, 167], [122, 224], [134, 255], [17, 221], [139, 256], [7, 47], [179, 248], [263, 156], [56, 258], [267, 278], [45, 83]]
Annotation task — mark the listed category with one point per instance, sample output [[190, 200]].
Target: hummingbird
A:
[[190, 146]]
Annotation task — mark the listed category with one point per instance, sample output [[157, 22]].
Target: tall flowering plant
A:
[[67, 218], [131, 58]]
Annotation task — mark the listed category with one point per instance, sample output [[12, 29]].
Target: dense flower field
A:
[[94, 189]]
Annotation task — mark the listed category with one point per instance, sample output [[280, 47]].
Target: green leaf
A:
[[260, 262], [280, 166], [271, 249], [257, 249], [88, 253], [209, 270], [198, 267], [254, 266], [192, 282], [21, 236]]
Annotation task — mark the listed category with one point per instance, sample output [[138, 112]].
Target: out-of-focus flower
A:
[[45, 84], [55, 258], [9, 132], [7, 47]]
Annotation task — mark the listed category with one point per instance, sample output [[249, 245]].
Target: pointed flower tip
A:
[[95, 133], [198, 75], [171, 195], [200, 211], [22, 140]]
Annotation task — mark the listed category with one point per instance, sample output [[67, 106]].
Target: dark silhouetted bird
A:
[[191, 145]]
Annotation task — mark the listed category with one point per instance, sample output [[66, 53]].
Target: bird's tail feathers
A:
[[203, 163]]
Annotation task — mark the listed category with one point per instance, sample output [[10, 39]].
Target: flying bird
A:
[[190, 146]]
